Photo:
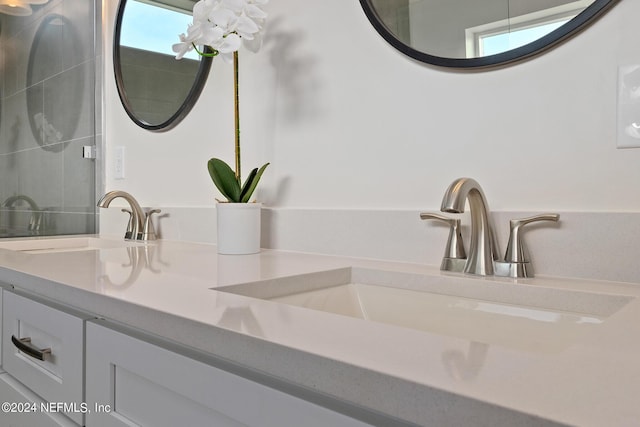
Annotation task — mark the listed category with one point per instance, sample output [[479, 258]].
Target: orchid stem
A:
[[237, 114], [203, 53]]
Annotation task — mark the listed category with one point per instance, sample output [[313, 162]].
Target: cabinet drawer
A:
[[59, 377], [143, 384], [27, 410]]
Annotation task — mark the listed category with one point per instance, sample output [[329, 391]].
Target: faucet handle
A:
[[35, 221], [454, 253], [148, 232], [129, 232], [516, 249]]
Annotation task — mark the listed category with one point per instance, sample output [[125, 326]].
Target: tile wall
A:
[[47, 114]]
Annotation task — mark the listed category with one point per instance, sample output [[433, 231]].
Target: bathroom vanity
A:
[[161, 332]]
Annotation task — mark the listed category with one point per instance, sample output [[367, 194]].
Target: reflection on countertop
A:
[[170, 289]]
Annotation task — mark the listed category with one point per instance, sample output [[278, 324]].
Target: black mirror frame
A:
[[587, 16], [187, 105]]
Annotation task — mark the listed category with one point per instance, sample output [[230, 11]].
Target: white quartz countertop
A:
[[169, 289]]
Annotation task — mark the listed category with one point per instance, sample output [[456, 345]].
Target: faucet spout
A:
[[35, 221], [483, 247], [10, 201], [137, 214]]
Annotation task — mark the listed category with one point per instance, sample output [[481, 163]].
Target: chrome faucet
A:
[[36, 216], [483, 258], [10, 201], [140, 226], [483, 247]]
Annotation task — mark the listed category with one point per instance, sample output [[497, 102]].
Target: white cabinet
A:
[[132, 382], [43, 349], [1, 292], [26, 408]]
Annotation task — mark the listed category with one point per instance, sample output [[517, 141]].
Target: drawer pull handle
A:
[[24, 345]]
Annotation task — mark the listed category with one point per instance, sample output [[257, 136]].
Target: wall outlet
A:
[[118, 163], [628, 106]]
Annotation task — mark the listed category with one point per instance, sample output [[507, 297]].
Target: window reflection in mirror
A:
[[156, 90], [464, 29], [536, 21], [502, 41], [153, 27], [479, 33]]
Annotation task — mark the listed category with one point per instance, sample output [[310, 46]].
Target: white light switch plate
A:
[[629, 106], [118, 163]]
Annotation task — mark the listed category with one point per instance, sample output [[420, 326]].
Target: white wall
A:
[[350, 123]]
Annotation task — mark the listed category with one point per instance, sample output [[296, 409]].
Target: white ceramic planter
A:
[[238, 228]]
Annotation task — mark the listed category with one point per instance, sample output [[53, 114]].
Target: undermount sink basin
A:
[[64, 244], [526, 317]]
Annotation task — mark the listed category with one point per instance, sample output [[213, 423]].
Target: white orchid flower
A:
[[230, 45], [254, 44], [246, 27], [182, 48], [224, 18], [187, 41], [255, 13], [234, 5], [202, 9], [224, 26]]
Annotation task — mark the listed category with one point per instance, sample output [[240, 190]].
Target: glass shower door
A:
[[47, 115]]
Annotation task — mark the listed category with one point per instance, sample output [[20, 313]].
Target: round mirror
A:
[[478, 33], [156, 90], [51, 86]]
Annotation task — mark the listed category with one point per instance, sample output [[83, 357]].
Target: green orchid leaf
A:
[[247, 185], [224, 179], [251, 183]]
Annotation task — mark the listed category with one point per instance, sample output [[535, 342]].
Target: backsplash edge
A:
[[590, 245]]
